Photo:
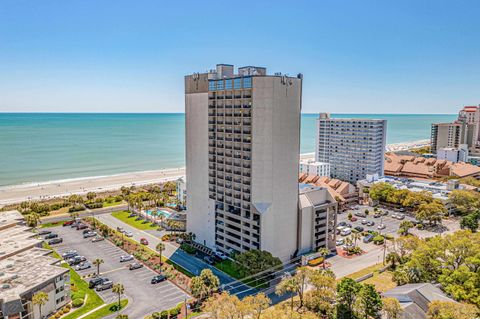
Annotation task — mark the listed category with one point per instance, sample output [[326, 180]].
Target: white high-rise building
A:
[[242, 157], [354, 148]]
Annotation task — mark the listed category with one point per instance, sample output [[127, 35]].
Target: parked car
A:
[[81, 226], [90, 234], [104, 285], [76, 260], [361, 214], [75, 224], [68, 223], [381, 226], [209, 260], [394, 215], [44, 232], [86, 231], [384, 212], [402, 210], [69, 254], [95, 281], [143, 241], [128, 234], [97, 238], [368, 238], [364, 221], [342, 224], [345, 232], [400, 216], [377, 215], [83, 266], [135, 265], [157, 279], [220, 255], [50, 236], [353, 219], [359, 229], [55, 241], [340, 242], [370, 223], [120, 229], [132, 215], [126, 258]]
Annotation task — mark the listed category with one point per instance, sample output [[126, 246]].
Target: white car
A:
[[126, 258], [346, 231], [364, 221], [128, 234], [400, 216], [340, 242], [381, 226], [220, 255]]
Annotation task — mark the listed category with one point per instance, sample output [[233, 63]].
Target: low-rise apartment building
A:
[[311, 167], [26, 269]]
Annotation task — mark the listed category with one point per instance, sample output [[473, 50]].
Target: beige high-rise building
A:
[[242, 157]]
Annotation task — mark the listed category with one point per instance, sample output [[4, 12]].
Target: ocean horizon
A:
[[47, 147]]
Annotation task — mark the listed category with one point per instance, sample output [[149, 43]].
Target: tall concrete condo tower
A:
[[242, 149], [354, 147]]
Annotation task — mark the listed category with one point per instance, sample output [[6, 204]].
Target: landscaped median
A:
[[138, 224], [381, 277], [107, 310], [177, 274], [80, 293]]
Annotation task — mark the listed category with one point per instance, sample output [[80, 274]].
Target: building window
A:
[[237, 83], [211, 86], [247, 83], [228, 84], [220, 85]]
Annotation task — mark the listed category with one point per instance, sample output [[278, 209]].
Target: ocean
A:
[[42, 147]]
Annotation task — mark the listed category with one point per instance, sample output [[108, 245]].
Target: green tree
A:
[[252, 262], [118, 289], [204, 285], [295, 284], [33, 219], [431, 212], [322, 298], [380, 191], [324, 251], [470, 222], [465, 201], [369, 302], [97, 262], [405, 227], [91, 195], [160, 248], [40, 299], [256, 304], [451, 310], [347, 290], [391, 308], [287, 286]]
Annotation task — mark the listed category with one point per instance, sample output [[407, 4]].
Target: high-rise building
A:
[[354, 148], [242, 157], [464, 130]]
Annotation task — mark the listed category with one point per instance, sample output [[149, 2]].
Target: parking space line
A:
[[110, 271], [177, 293], [166, 288]]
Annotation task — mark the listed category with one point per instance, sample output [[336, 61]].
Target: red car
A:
[[68, 223], [353, 219], [143, 241]]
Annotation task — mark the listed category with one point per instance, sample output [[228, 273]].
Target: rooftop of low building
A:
[[16, 239], [10, 218]]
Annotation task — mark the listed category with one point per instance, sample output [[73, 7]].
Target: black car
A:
[[44, 232], [55, 241], [359, 229], [50, 236], [95, 281], [342, 224], [69, 256], [86, 231], [76, 260], [158, 278], [370, 223]]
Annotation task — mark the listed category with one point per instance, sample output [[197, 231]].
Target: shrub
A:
[[378, 240], [77, 302], [315, 262], [94, 205], [188, 248], [174, 312], [77, 208]]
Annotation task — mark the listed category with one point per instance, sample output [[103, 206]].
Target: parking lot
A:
[[144, 297]]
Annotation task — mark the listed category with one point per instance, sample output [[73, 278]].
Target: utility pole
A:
[[186, 310]]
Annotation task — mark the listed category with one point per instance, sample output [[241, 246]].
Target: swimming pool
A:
[[160, 213]]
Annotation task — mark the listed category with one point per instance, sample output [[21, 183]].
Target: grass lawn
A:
[[55, 224], [105, 204], [382, 281], [228, 267], [107, 310], [138, 224]]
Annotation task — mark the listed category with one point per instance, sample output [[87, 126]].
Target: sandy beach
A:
[[48, 190]]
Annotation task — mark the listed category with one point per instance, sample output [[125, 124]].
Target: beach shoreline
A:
[[60, 188]]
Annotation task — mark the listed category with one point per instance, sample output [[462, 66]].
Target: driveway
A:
[[178, 256], [144, 298]]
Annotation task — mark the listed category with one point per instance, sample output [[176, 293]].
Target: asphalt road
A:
[[189, 262], [144, 298]]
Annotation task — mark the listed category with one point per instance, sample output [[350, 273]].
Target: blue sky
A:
[[366, 56]]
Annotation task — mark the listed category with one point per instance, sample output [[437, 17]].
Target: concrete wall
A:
[[200, 209], [275, 160]]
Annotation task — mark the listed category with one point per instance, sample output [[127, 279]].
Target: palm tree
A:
[[33, 219], [119, 290], [355, 237], [97, 262], [287, 285], [40, 299], [160, 248], [324, 251]]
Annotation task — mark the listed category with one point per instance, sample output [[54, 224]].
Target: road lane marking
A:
[[113, 270]]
